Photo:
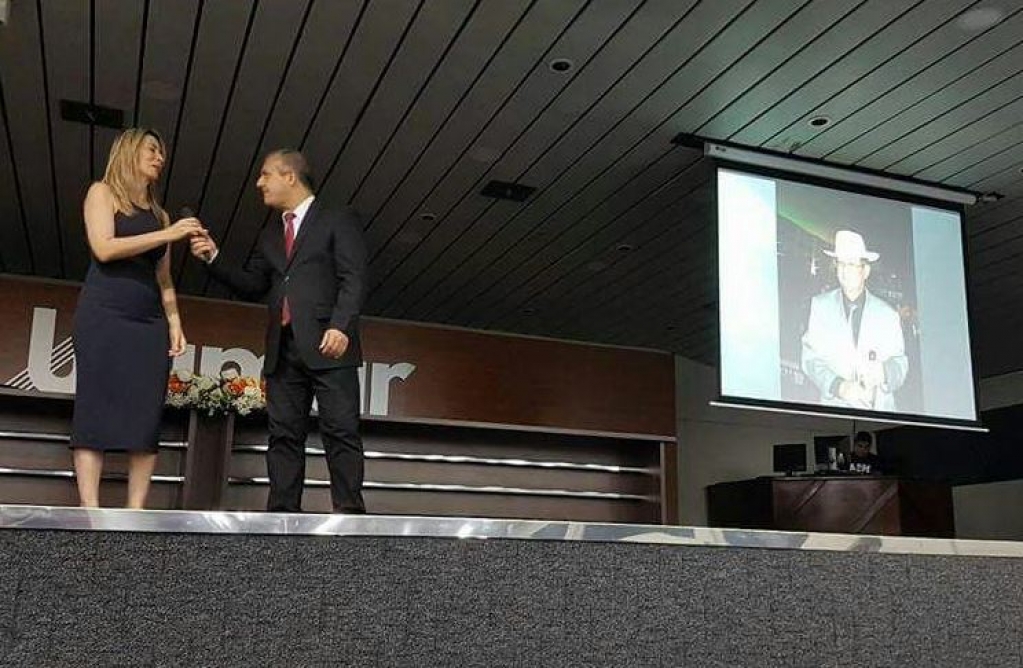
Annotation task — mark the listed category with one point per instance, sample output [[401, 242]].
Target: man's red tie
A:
[[289, 243]]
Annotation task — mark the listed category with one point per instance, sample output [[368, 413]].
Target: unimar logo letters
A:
[[51, 365]]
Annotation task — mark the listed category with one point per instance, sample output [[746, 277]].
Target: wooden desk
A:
[[879, 505]]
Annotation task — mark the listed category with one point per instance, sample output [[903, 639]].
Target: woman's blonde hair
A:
[[123, 172]]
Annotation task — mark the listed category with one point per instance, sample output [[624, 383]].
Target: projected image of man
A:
[[853, 348]]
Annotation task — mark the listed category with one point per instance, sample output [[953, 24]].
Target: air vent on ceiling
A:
[[505, 190], [91, 114]]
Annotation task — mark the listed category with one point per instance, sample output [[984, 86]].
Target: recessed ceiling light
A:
[[516, 192], [981, 18], [561, 64], [428, 217], [624, 248], [819, 121], [529, 310]]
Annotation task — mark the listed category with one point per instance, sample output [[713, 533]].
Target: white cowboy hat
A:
[[849, 247]]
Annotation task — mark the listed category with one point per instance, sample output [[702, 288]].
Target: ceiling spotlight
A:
[[561, 64], [990, 197], [428, 217], [981, 18], [529, 310], [624, 248], [516, 192], [819, 122]]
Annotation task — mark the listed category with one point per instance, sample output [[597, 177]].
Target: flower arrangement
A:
[[231, 393]]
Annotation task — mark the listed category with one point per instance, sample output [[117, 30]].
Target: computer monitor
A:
[[789, 458]]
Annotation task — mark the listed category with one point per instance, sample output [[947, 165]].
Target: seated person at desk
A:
[[862, 460]]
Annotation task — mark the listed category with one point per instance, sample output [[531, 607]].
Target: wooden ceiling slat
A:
[[117, 35], [850, 81], [15, 251], [834, 42], [994, 154], [777, 47], [169, 30], [67, 41], [28, 118], [273, 34], [982, 217], [684, 297], [375, 33], [996, 112], [416, 60], [1002, 180], [504, 74], [537, 99], [988, 259], [993, 237], [369, 55], [682, 255], [958, 75], [620, 287], [306, 85], [223, 28], [618, 137], [455, 76], [623, 219], [646, 235]]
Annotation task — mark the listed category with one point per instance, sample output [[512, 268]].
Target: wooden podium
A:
[[879, 505]]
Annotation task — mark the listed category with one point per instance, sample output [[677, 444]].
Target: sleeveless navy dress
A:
[[121, 342]]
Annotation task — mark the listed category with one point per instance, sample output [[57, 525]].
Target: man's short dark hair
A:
[[296, 162], [863, 437]]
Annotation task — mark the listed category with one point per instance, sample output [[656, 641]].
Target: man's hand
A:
[[203, 247], [871, 373], [854, 394], [334, 343]]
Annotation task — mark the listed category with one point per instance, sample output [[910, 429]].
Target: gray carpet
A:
[[118, 599]]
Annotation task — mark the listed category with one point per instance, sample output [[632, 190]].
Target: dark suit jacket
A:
[[324, 282]]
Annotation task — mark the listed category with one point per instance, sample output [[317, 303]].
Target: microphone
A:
[[188, 212]]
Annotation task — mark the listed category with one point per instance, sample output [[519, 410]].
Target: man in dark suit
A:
[[310, 264]]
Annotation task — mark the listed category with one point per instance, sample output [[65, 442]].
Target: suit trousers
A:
[[290, 390]]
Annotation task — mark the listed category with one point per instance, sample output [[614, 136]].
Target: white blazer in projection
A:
[[829, 351]]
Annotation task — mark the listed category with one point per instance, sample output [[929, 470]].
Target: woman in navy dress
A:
[[127, 325]]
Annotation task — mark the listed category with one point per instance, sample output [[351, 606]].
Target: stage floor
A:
[[49, 518]]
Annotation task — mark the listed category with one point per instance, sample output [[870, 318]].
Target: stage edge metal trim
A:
[[21, 518]]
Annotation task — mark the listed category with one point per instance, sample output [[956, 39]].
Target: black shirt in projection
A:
[[854, 313]]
